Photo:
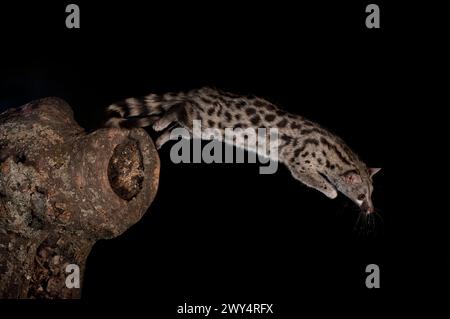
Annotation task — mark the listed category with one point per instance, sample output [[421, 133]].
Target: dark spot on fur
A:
[[228, 116], [286, 138], [198, 106], [198, 116], [308, 141], [206, 100], [282, 123], [259, 103], [305, 154], [211, 123], [250, 111], [255, 120], [306, 131], [270, 117], [295, 125], [211, 111], [325, 142], [240, 104], [221, 99], [270, 107]]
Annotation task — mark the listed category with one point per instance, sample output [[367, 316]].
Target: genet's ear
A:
[[373, 171], [352, 177]]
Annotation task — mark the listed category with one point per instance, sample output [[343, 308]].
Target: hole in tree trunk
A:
[[125, 170]]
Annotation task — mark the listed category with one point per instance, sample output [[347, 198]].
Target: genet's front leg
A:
[[315, 180]]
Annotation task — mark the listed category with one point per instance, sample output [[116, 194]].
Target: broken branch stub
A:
[[61, 190]]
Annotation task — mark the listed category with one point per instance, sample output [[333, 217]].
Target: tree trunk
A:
[[61, 190]]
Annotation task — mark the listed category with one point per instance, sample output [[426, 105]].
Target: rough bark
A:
[[61, 190]]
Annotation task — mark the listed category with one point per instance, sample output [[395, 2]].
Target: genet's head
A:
[[356, 184]]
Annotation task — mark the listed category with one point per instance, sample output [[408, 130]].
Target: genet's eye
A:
[[361, 196]]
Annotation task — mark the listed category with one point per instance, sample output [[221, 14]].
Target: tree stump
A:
[[61, 190]]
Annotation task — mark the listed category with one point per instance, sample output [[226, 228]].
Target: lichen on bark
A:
[[61, 190]]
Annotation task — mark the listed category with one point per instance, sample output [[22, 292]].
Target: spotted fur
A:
[[314, 156]]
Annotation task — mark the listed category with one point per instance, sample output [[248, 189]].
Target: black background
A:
[[223, 233]]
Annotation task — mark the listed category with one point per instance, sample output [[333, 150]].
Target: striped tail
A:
[[139, 112]]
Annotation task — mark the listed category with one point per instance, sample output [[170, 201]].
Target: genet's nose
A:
[[367, 207]]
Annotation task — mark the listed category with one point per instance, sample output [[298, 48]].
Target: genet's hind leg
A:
[[177, 114], [163, 138]]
